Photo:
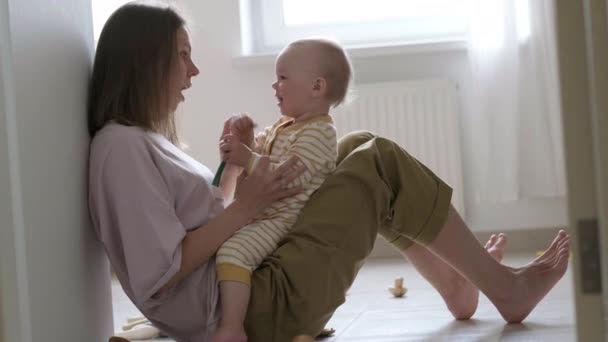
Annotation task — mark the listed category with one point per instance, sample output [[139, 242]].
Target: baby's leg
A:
[[235, 260], [234, 297]]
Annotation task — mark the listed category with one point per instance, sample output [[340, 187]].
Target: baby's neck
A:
[[313, 113]]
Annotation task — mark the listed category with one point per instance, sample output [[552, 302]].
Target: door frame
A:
[[582, 42]]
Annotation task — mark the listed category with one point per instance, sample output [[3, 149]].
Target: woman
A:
[[161, 222]]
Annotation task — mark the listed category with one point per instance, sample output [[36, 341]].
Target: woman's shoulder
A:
[[114, 135], [116, 139], [116, 132]]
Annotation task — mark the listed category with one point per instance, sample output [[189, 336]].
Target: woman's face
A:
[[183, 70]]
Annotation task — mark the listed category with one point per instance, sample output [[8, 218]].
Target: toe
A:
[[491, 241]]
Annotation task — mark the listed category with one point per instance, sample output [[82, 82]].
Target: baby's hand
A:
[[234, 152], [242, 127]]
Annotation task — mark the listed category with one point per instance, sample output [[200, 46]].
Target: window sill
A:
[[366, 51]]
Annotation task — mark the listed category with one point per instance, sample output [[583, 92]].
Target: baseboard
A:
[[524, 240]]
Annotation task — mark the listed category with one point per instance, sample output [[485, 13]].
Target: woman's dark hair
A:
[[133, 60]]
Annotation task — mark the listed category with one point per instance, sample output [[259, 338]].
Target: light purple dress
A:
[[144, 195]]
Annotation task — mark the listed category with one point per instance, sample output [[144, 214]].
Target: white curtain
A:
[[514, 100]]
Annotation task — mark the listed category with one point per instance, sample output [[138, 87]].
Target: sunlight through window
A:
[[355, 22], [312, 12]]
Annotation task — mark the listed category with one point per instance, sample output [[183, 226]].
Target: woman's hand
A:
[[263, 186]]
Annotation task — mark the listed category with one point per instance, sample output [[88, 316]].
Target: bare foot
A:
[[229, 335], [534, 280], [463, 298], [496, 246]]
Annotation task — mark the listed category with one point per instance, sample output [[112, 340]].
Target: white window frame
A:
[[267, 33]]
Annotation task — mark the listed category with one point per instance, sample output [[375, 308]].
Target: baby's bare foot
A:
[[534, 280]]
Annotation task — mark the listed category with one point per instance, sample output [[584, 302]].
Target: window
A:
[[274, 23]]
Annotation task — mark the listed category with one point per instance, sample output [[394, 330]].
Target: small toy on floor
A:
[[399, 290], [133, 321], [137, 329]]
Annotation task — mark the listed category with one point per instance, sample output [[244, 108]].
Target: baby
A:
[[313, 75]]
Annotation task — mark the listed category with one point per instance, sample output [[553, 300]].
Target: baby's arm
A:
[[315, 147], [244, 153], [234, 152], [243, 128]]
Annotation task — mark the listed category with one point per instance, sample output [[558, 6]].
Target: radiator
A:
[[422, 116]]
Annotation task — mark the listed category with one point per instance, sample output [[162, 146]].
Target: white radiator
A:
[[422, 116]]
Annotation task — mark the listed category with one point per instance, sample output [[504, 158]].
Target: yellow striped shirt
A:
[[314, 142]]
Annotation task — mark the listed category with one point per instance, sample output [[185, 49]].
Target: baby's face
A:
[[295, 81]]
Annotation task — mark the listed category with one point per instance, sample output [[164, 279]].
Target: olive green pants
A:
[[377, 188]]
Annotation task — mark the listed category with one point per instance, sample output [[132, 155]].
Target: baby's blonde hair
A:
[[334, 65]]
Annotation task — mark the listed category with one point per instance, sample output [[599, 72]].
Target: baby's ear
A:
[[319, 86]]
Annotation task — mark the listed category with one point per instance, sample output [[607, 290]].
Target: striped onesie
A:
[[314, 142]]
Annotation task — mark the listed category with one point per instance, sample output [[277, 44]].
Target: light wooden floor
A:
[[371, 314]]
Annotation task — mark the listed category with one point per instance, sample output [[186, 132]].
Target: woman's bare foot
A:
[[496, 246], [463, 297], [229, 335], [534, 280]]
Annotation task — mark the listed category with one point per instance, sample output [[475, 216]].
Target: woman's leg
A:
[[514, 291], [378, 188], [298, 287], [420, 211], [460, 295]]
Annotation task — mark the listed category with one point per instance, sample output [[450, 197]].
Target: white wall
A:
[[226, 86], [8, 283], [54, 280]]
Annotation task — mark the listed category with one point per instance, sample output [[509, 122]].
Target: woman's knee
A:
[[351, 141]]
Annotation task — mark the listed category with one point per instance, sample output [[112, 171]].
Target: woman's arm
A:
[[242, 126], [256, 191], [201, 244], [228, 181]]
